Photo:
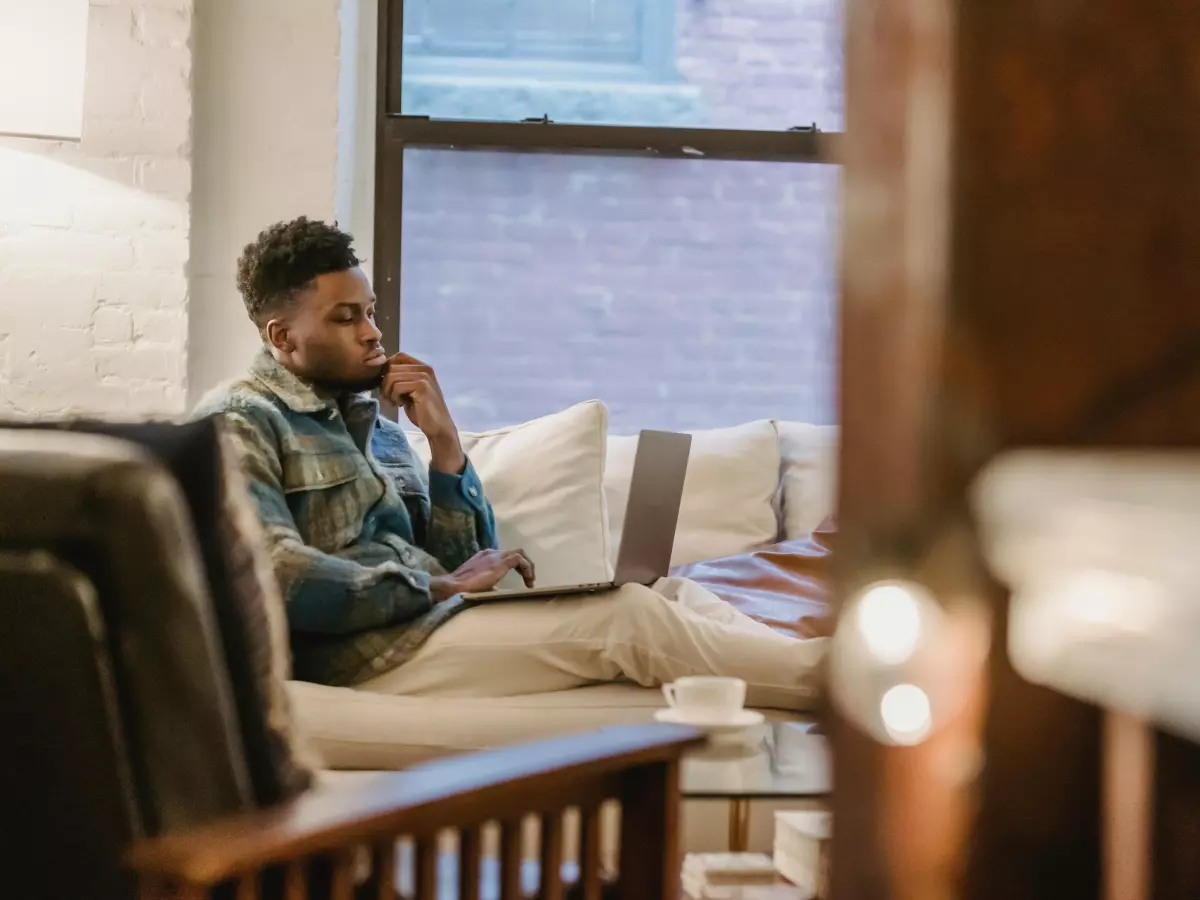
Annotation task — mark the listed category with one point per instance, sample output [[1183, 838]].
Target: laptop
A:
[[655, 492]]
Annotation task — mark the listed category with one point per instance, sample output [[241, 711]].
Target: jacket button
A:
[[473, 491]]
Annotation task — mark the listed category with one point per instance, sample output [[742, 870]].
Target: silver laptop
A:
[[655, 492]]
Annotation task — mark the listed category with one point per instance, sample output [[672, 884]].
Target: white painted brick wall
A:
[[94, 237]]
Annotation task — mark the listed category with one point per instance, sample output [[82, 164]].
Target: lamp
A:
[[893, 662], [43, 47]]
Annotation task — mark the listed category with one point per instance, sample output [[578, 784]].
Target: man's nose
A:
[[372, 334]]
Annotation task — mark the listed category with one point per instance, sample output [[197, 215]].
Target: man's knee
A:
[[639, 607]]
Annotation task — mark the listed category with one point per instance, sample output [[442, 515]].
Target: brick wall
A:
[[94, 235], [683, 293], [639, 278], [764, 63]]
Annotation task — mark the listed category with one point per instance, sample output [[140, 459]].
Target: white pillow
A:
[[545, 483], [810, 456], [728, 496]]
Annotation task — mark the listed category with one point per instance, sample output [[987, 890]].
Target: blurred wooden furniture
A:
[[316, 845], [1022, 233]]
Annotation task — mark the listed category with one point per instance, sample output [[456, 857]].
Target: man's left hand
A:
[[412, 385]]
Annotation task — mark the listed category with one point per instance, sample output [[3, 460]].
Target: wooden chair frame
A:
[[314, 845]]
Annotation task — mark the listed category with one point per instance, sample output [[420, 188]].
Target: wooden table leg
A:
[[1128, 807], [739, 824]]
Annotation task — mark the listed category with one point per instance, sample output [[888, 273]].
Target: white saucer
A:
[[745, 718]]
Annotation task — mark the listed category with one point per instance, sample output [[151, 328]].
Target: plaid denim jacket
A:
[[354, 529]]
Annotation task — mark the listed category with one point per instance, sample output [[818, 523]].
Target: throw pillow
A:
[[728, 496], [545, 481], [809, 476]]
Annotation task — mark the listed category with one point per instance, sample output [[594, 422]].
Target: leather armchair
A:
[[124, 766]]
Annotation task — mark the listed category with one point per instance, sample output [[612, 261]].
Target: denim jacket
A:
[[355, 528]]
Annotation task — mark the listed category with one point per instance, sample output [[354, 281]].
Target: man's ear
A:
[[278, 335]]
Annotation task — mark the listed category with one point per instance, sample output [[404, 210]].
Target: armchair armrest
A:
[[637, 765]]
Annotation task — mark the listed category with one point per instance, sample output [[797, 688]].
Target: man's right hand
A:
[[482, 572]]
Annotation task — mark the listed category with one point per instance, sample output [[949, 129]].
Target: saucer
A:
[[745, 718]]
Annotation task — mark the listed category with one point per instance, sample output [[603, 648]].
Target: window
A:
[[658, 236], [603, 32], [539, 280], [761, 64]]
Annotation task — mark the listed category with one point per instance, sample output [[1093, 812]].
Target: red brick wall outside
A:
[[684, 293]]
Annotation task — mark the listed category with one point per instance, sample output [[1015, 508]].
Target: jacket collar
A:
[[298, 395]]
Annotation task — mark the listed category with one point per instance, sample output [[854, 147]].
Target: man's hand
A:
[[409, 383], [482, 572]]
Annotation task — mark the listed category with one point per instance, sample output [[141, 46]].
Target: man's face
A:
[[328, 336]]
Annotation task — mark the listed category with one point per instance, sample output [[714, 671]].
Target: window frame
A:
[[395, 132]]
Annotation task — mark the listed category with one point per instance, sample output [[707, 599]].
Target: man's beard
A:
[[349, 386]]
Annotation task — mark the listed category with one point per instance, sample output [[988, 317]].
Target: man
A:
[[372, 554]]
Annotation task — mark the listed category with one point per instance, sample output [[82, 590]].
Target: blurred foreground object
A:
[[1021, 231], [1102, 553], [897, 662]]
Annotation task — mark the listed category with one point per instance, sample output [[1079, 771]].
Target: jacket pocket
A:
[[317, 471]]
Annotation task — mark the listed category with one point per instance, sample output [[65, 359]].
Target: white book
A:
[[802, 849], [729, 868], [777, 891]]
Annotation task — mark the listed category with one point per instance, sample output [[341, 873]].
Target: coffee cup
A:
[[706, 698]]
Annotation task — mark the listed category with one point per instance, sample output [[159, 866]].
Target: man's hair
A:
[[285, 259]]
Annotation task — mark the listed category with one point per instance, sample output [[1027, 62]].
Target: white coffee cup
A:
[[706, 697]]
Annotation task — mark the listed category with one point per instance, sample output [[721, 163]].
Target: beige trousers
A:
[[648, 636]]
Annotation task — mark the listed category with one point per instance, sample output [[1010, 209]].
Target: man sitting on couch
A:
[[372, 555]]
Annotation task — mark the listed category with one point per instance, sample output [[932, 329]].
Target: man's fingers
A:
[[402, 357], [395, 368], [407, 377], [397, 387], [516, 559]]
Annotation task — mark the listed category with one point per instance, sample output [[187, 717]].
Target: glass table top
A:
[[774, 760]]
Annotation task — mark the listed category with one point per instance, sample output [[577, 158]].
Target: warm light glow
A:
[[890, 621], [43, 47], [906, 713], [44, 194], [901, 663]]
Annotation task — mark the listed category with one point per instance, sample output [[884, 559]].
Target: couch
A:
[[756, 527]]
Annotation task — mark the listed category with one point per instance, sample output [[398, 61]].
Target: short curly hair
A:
[[285, 259]]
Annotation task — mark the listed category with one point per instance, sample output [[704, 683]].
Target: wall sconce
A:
[[43, 55], [1102, 553]]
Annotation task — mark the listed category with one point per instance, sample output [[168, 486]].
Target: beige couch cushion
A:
[[809, 476], [728, 497], [351, 729]]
